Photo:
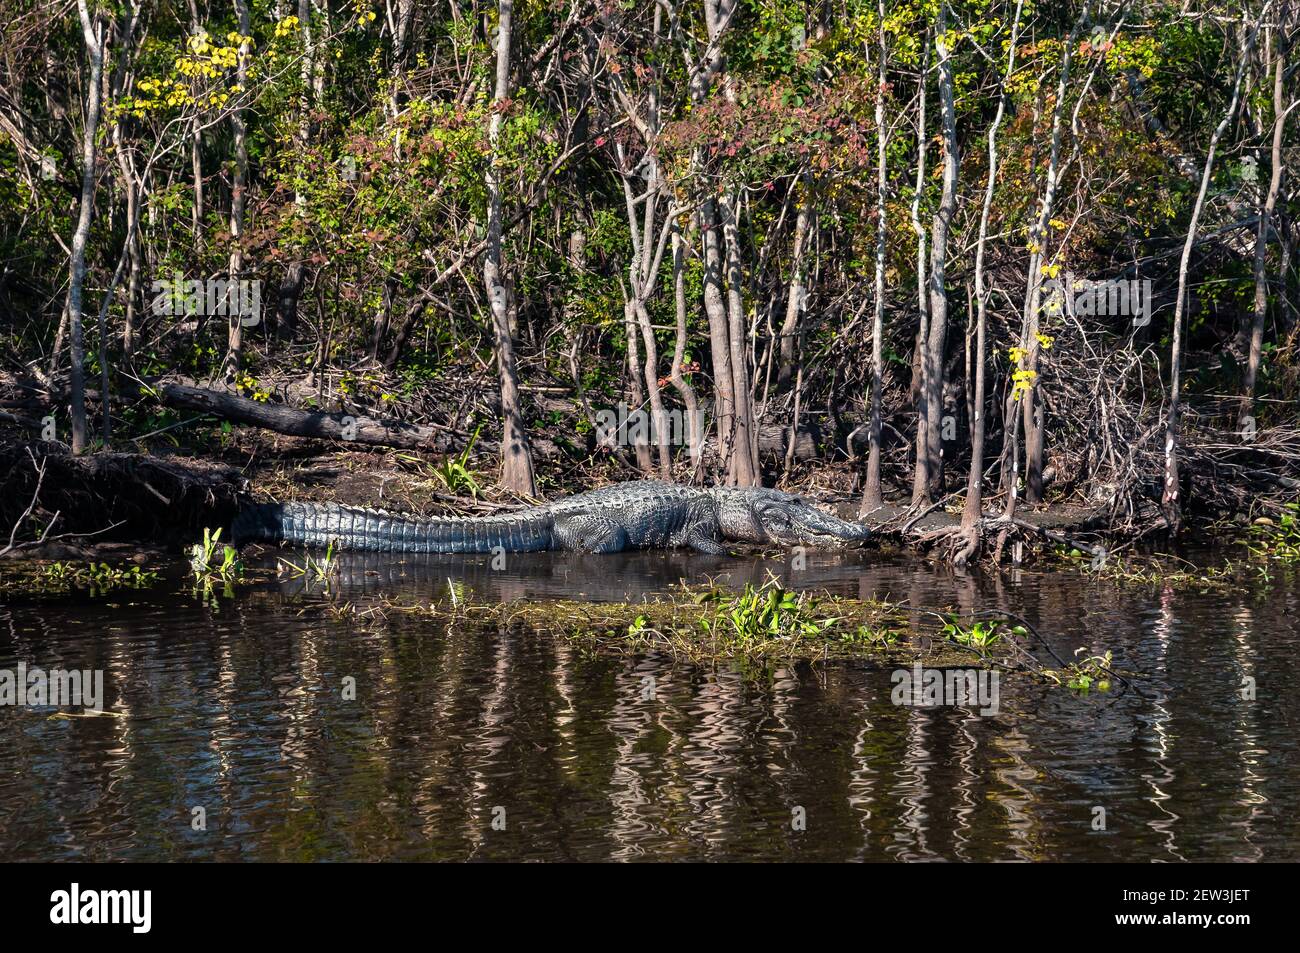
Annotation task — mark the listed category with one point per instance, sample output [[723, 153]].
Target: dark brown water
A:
[[241, 711]]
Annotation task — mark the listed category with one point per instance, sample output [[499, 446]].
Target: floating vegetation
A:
[[755, 628], [701, 624], [1093, 672], [980, 634], [1166, 571], [762, 613], [1277, 540], [96, 578]]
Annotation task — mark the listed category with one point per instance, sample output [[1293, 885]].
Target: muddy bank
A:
[[119, 505]]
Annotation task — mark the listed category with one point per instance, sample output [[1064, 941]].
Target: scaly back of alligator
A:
[[531, 529], [358, 528]]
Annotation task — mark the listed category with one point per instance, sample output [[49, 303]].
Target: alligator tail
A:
[[356, 528]]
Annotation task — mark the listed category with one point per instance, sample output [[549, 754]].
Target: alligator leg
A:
[[589, 533], [700, 541], [709, 547]]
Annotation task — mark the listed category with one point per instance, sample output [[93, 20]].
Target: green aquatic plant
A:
[[871, 636], [1166, 570], [980, 634], [212, 560], [763, 613], [1086, 674], [1277, 540], [312, 566], [98, 578]]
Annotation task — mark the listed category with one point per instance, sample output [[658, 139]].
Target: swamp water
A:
[[472, 741]]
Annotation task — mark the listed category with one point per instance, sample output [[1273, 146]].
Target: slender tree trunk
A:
[[929, 440], [794, 301], [694, 427], [922, 299], [715, 310], [662, 433], [872, 496], [1171, 498], [728, 399], [196, 145], [92, 32], [129, 325], [745, 471], [636, 408], [973, 511], [131, 188], [516, 454], [921, 471], [1261, 243], [1031, 406], [238, 199]]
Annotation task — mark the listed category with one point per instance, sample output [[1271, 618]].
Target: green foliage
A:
[[868, 635], [454, 472], [978, 634], [313, 568], [97, 578], [762, 613], [1083, 676], [1277, 540], [212, 561]]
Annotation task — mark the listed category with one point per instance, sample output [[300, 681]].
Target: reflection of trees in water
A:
[[1248, 747], [240, 711]]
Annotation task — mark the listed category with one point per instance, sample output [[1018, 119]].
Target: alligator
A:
[[643, 514]]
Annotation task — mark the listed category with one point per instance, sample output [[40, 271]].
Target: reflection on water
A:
[[244, 713]]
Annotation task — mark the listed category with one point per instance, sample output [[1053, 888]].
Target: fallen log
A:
[[300, 423]]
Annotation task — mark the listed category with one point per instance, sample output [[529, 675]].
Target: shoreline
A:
[[128, 505]]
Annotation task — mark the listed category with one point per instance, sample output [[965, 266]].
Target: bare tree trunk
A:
[[745, 471], [726, 353], [929, 440], [1261, 242], [649, 242], [872, 496], [794, 301], [238, 199], [975, 482], [196, 144], [1031, 406], [131, 188], [92, 32], [125, 164], [516, 454], [1170, 499], [399, 27], [921, 471], [640, 444], [715, 311], [694, 428], [289, 295], [662, 433]]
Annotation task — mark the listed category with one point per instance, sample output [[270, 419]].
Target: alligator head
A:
[[758, 515]]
